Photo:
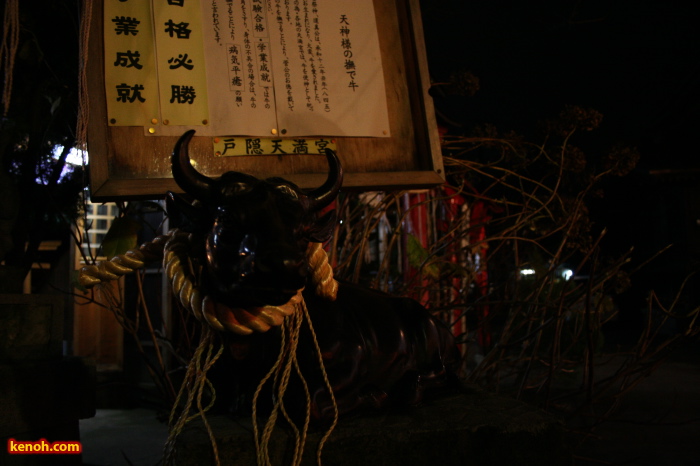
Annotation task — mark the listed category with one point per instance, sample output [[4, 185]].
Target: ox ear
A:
[[183, 214], [323, 229]]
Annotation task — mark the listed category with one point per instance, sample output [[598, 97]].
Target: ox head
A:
[[255, 231]]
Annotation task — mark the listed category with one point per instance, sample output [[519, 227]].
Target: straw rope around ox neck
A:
[[242, 321], [173, 248]]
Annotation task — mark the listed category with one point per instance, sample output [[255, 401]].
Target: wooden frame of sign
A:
[[126, 164]]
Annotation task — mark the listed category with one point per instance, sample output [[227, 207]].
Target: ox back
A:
[[378, 351]]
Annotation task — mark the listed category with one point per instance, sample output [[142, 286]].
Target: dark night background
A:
[[633, 61]]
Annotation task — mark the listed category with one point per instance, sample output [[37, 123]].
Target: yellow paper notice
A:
[[181, 67], [131, 81]]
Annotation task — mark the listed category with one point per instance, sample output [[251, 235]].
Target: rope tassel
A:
[[192, 390], [280, 373]]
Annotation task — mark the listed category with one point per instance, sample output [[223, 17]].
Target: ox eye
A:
[[247, 246]]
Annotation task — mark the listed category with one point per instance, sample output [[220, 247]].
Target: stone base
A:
[[474, 428], [31, 328]]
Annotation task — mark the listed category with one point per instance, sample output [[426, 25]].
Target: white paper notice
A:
[[292, 68]]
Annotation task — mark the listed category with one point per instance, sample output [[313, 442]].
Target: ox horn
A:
[[185, 175], [327, 192]]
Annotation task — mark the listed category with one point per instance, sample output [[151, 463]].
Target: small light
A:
[[527, 272], [273, 131], [151, 130], [154, 121], [566, 274]]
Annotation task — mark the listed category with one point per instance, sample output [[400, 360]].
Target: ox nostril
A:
[[248, 246], [295, 266], [284, 267]]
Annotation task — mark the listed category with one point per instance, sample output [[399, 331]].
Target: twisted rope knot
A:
[[174, 248], [242, 321], [321, 272], [122, 264]]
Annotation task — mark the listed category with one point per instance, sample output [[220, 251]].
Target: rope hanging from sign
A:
[[10, 41], [83, 105]]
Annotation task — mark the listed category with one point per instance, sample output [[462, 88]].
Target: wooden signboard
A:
[[383, 126]]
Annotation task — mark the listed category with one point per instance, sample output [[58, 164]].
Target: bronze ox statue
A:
[[250, 239]]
